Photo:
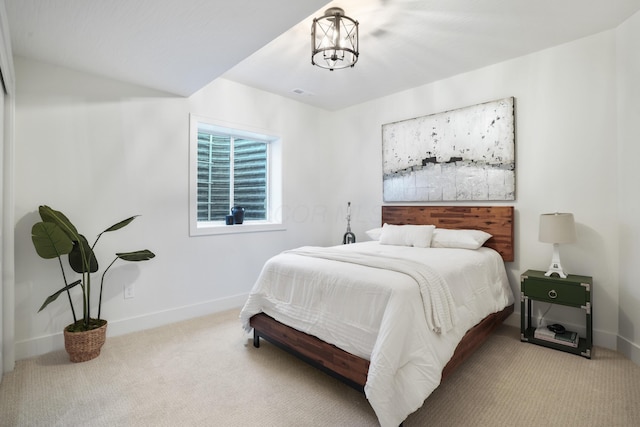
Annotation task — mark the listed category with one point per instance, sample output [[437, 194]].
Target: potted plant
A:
[[56, 236]]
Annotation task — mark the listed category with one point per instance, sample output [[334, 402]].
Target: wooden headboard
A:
[[495, 220]]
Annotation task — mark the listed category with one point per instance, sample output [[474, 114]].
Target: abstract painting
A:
[[466, 154]]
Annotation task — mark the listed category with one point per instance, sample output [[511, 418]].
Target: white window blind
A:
[[232, 171]]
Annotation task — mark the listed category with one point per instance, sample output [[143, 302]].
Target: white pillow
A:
[[407, 235], [465, 239], [374, 233]]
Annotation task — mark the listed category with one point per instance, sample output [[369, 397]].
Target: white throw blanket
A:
[[439, 308]]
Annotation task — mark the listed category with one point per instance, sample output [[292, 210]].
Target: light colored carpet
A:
[[205, 372]]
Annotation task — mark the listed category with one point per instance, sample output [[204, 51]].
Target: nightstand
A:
[[574, 291]]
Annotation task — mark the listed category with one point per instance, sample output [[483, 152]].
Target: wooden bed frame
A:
[[496, 220]]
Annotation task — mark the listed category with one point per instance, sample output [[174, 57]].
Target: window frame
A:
[[274, 181]]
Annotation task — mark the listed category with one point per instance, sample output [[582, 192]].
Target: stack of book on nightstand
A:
[[565, 338]]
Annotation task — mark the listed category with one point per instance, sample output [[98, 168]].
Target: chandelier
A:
[[334, 40]]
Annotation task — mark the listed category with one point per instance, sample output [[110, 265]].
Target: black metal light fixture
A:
[[334, 40]]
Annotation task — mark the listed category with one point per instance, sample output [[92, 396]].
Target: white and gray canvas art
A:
[[459, 155]]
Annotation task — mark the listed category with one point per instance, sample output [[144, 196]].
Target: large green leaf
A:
[[121, 224], [50, 215], [115, 227], [142, 255], [53, 297], [49, 240], [75, 256]]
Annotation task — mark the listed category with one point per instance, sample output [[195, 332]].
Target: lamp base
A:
[[556, 270], [555, 266]]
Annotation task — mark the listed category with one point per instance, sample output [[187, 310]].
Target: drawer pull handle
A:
[[553, 294]]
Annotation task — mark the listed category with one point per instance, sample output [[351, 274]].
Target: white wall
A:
[[628, 60], [100, 151], [7, 347], [130, 147], [565, 158]]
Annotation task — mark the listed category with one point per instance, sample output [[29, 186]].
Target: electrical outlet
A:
[[129, 291]]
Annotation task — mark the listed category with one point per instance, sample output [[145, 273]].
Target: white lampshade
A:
[[557, 228]]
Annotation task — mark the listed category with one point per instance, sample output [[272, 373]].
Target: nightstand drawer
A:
[[555, 292]]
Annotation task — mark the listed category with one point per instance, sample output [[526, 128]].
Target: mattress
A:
[[402, 308]]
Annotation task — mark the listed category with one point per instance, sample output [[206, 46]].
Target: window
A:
[[231, 172], [232, 167]]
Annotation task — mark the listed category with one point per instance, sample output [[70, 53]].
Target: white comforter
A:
[[407, 324]]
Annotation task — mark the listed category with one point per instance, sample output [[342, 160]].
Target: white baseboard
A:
[[45, 344], [629, 349], [513, 320], [54, 342]]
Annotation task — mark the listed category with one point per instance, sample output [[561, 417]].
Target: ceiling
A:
[[179, 46]]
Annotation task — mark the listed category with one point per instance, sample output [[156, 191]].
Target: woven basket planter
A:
[[84, 345]]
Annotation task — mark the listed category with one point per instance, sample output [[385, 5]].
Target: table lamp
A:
[[557, 228]]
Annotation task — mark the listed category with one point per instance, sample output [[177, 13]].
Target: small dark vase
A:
[[238, 214]]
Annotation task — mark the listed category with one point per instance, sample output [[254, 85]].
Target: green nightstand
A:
[[574, 291]]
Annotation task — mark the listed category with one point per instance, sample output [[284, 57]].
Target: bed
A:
[[412, 337]]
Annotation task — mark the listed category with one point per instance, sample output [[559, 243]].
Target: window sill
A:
[[219, 228]]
